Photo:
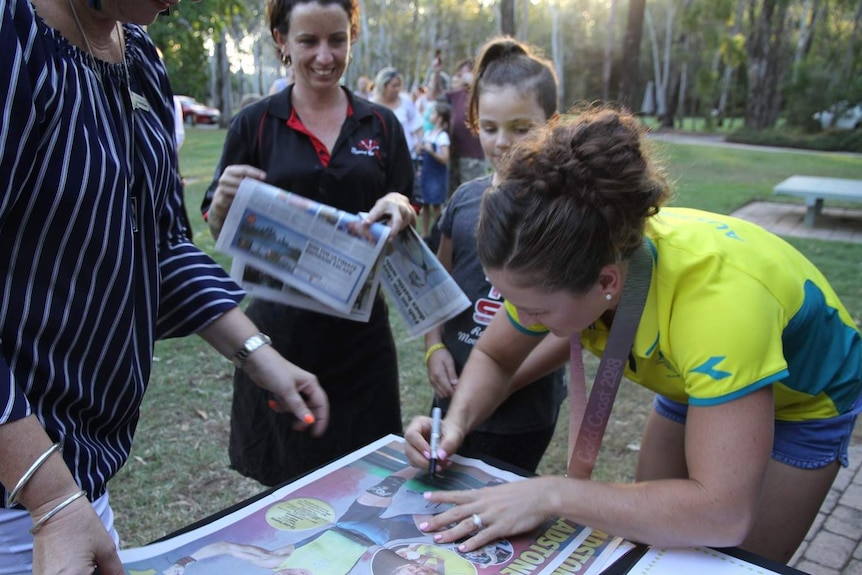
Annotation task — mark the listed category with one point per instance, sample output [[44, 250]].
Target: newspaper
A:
[[421, 288], [359, 515], [292, 250], [265, 286], [321, 251]]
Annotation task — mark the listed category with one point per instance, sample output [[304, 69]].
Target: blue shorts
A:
[[809, 444]]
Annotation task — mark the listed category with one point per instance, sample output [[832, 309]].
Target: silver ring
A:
[[477, 521]]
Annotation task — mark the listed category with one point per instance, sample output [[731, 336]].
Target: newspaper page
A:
[[264, 286], [358, 515], [424, 293], [319, 250]]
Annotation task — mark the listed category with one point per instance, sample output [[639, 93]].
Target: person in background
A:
[[756, 364], [179, 124], [513, 92], [280, 84], [318, 140], [468, 161], [363, 87], [388, 92], [89, 152], [434, 159]]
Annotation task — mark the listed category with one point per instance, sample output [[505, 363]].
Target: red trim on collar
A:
[[296, 123]]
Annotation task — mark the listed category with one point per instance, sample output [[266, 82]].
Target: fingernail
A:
[[462, 548], [309, 419], [423, 526], [273, 404], [426, 495], [426, 454], [438, 537], [442, 454]]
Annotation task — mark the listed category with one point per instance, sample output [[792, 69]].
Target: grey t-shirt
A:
[[533, 407]]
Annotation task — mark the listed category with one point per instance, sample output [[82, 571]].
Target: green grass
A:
[[179, 471]]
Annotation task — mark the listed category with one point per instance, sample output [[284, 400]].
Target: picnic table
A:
[[816, 189]]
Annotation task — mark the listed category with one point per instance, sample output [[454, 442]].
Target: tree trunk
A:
[[607, 64], [557, 51], [523, 21], [222, 92], [507, 17], [847, 67], [630, 73], [728, 66], [766, 65]]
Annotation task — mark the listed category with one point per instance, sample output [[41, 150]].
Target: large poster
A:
[[359, 515]]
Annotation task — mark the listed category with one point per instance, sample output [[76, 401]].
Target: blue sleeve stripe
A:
[[706, 402]]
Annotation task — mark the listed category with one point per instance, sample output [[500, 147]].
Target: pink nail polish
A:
[[423, 526], [438, 538]]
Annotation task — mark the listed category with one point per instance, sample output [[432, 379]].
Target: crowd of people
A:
[[755, 363]]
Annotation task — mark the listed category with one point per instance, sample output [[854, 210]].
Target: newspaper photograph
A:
[[320, 251], [359, 515], [422, 290], [265, 286]]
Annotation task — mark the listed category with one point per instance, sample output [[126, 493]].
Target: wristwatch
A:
[[250, 346]]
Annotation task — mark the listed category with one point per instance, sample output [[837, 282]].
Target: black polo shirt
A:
[[369, 159]]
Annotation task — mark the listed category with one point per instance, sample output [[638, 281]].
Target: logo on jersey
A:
[[366, 147], [485, 309]]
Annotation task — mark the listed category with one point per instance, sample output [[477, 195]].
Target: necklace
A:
[[137, 101]]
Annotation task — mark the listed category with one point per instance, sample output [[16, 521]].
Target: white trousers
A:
[[16, 543]]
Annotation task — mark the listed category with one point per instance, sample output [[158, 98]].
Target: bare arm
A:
[[440, 365], [728, 448], [551, 354], [74, 539], [484, 383], [295, 389]]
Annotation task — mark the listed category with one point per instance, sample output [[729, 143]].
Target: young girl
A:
[[434, 174], [513, 91]]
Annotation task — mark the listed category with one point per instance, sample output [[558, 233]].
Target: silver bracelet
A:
[[60, 506], [12, 498]]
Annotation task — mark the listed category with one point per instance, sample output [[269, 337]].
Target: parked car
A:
[[841, 116], [196, 113]]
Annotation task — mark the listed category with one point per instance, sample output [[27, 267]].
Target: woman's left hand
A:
[[501, 510], [396, 208]]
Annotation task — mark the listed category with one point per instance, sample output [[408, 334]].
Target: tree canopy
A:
[[756, 59]]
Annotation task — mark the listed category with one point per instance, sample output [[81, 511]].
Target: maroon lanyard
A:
[[588, 420]]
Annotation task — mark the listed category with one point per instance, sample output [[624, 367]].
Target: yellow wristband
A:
[[432, 349]]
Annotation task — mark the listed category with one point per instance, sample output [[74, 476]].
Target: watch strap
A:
[[250, 346]]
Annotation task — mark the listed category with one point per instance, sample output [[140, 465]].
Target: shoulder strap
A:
[[588, 420]]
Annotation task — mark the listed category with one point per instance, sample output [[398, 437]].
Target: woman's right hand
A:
[[418, 447], [442, 374], [74, 541], [225, 192]]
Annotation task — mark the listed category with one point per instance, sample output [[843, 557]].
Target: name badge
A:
[[139, 102]]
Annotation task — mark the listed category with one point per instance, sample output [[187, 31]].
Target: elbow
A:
[[732, 524]]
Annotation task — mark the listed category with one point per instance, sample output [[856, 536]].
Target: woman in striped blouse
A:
[[96, 265]]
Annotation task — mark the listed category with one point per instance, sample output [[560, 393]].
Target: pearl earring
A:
[[608, 297]]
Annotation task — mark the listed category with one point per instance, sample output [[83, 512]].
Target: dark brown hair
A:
[[278, 13], [505, 62], [574, 196]]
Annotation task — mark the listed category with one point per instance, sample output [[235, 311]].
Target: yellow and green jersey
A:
[[733, 308]]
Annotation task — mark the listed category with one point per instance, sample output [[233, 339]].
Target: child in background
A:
[[513, 91], [434, 174]]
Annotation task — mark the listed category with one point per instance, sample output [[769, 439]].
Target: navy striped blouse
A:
[[95, 257]]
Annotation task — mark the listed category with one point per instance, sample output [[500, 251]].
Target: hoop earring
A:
[[285, 59]]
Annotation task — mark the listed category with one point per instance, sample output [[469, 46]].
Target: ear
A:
[[611, 279]]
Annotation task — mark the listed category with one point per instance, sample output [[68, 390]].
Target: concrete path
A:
[[834, 544]]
